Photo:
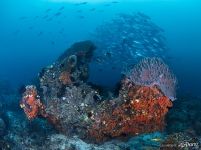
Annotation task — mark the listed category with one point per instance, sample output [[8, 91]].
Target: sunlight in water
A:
[[80, 1], [103, 1], [91, 1]]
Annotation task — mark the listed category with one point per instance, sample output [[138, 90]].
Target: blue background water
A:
[[23, 52]]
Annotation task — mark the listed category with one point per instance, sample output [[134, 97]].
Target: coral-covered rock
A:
[[143, 110], [65, 94], [76, 107], [71, 68], [65, 78], [31, 103], [71, 110]]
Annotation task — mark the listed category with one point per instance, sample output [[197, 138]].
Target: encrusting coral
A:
[[143, 111], [31, 103]]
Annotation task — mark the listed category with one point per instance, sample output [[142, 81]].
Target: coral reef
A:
[[31, 103], [75, 107], [72, 68], [142, 111], [65, 78], [65, 93], [71, 111]]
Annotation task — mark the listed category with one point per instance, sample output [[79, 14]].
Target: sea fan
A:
[[153, 71]]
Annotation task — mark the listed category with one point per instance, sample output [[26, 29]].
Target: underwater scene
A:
[[100, 74]]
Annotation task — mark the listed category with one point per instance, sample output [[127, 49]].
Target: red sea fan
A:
[[154, 72]]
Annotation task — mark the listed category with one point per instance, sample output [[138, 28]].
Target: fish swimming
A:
[[46, 16], [82, 3], [92, 9], [134, 36], [61, 8], [16, 32], [52, 42], [156, 139], [50, 19], [40, 33], [115, 2], [48, 10], [61, 31], [100, 10], [57, 14], [22, 18], [108, 54], [143, 15], [107, 5], [79, 11], [30, 28], [81, 17], [36, 17]]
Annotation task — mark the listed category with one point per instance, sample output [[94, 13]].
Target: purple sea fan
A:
[[153, 71]]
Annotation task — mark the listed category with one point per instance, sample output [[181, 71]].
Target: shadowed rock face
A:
[[72, 68], [86, 48], [75, 107]]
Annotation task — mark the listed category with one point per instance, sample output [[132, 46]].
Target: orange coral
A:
[[33, 107], [143, 112], [31, 103], [65, 78]]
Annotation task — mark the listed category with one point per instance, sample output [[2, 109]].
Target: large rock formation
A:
[[76, 107]]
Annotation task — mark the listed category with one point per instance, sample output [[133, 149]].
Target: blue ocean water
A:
[[34, 33], [24, 52]]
